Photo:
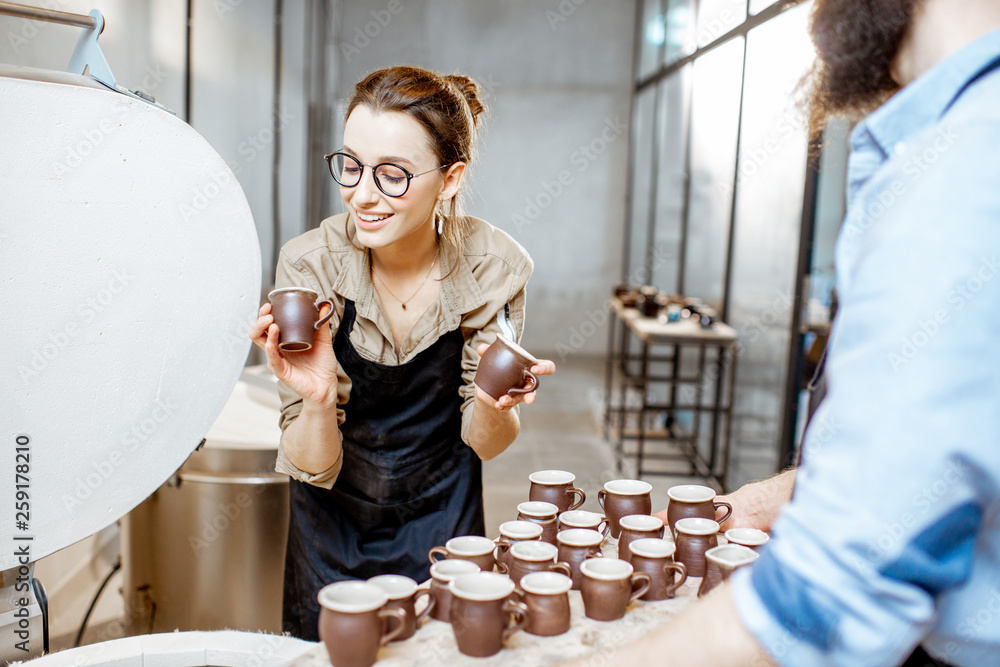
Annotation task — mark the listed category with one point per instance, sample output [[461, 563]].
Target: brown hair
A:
[[446, 105]]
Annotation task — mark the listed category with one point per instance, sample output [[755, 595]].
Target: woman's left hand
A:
[[543, 367]]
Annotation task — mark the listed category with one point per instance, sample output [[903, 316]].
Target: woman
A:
[[383, 431]]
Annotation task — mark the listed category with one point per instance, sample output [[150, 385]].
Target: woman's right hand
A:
[[311, 374]]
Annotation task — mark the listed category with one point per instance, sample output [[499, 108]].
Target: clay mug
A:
[[503, 369], [474, 548], [441, 575], [609, 585], [296, 312], [512, 532], [354, 622], [556, 487], [481, 613], [577, 545], [695, 536], [535, 556], [584, 519], [637, 527], [655, 557], [546, 595], [622, 497], [748, 537], [544, 514], [693, 500], [403, 594], [722, 561]]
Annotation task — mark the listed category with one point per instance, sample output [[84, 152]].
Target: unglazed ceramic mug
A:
[[481, 613], [722, 561], [403, 593], [503, 369], [693, 500], [577, 545], [637, 527], [512, 532], [695, 536], [556, 487], [441, 575], [535, 556], [655, 556], [748, 537], [544, 514], [354, 622], [584, 519], [296, 312], [473, 548], [546, 596], [622, 497], [609, 585]]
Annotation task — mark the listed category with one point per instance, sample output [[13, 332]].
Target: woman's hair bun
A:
[[469, 90]]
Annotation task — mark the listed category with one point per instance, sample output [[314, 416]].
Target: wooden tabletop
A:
[[652, 329]]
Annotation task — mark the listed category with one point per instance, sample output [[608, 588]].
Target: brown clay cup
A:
[[546, 595], [655, 557], [512, 532], [441, 575], [584, 519], [609, 585], [722, 561], [748, 537], [503, 369], [622, 497], [692, 501], [473, 548], [403, 593], [695, 536], [354, 622], [544, 514], [296, 312], [482, 611], [535, 556], [577, 545], [637, 527], [556, 487]]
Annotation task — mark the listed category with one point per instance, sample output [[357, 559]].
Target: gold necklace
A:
[[401, 301]]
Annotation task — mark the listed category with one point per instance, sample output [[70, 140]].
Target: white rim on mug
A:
[[607, 569], [546, 583], [652, 547], [547, 477], [750, 537], [691, 493], [628, 487], [534, 551], [292, 289], [520, 530], [579, 537], [640, 522], [446, 570], [538, 508], [470, 545], [482, 586], [697, 526], [396, 586], [352, 597], [517, 348], [732, 555], [581, 518]]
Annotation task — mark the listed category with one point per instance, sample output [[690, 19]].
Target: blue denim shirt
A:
[[892, 538]]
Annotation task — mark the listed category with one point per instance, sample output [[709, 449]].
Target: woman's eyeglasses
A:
[[390, 178]]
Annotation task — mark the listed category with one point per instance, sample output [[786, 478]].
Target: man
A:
[[892, 536]]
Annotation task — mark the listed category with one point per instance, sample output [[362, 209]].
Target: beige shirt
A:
[[492, 271]]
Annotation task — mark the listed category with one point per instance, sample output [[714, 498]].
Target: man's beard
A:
[[856, 41]]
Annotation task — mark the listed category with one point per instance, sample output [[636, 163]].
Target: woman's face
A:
[[392, 137]]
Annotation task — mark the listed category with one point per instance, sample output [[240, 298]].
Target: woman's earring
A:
[[440, 225]]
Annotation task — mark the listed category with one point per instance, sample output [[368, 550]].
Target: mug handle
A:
[[532, 381], [428, 608], [562, 567], [644, 582], [723, 503], [596, 553], [387, 614], [502, 545], [520, 613], [601, 495], [502, 567], [437, 551], [607, 527], [326, 318], [580, 497], [672, 569]]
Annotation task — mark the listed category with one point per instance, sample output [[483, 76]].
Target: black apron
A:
[[408, 482]]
